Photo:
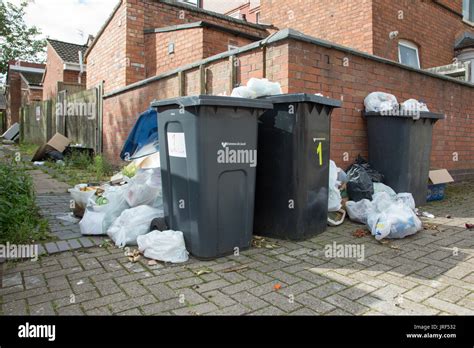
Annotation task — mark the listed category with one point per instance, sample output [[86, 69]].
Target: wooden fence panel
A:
[[75, 115]]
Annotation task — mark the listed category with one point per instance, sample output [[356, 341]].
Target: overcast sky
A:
[[68, 20]]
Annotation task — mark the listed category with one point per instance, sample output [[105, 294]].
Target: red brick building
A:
[[31, 87], [249, 11], [156, 49], [22, 85], [379, 27], [64, 63], [143, 38]]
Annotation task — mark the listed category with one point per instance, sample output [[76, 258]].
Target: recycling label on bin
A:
[[176, 145]]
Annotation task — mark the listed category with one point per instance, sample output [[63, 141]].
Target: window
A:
[[257, 17], [408, 54], [196, 3], [468, 10], [236, 15]]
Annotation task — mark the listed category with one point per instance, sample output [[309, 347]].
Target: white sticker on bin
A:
[[176, 145]]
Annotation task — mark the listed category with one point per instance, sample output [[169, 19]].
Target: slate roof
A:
[[68, 51], [34, 79]]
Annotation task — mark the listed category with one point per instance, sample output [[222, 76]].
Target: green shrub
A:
[[20, 221], [101, 168], [28, 149], [78, 160]]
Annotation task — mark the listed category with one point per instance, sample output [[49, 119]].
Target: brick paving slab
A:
[[428, 273]]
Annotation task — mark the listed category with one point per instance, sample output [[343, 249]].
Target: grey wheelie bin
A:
[[208, 149], [400, 149], [291, 200]]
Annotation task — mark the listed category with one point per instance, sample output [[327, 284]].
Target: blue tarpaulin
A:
[[143, 139]]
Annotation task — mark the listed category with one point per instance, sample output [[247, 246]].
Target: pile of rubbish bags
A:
[[257, 88], [367, 200], [386, 103], [125, 210]]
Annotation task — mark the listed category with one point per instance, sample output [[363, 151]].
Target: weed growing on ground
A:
[[20, 222]]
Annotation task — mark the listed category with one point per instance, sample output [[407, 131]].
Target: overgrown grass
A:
[[80, 168], [20, 222], [28, 149]]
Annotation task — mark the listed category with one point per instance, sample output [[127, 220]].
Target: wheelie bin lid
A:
[[423, 114], [302, 98], [211, 100]]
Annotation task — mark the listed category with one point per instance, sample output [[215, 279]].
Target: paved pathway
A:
[[429, 273], [45, 184]]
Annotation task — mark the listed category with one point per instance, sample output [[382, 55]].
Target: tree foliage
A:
[[18, 40]]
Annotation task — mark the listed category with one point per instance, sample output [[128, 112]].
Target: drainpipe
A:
[[81, 64]]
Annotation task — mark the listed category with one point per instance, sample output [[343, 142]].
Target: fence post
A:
[[202, 79], [233, 73], [181, 83]]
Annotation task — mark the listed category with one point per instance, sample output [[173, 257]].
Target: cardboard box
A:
[[58, 142], [437, 184]]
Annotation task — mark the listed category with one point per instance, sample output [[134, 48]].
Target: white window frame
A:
[[466, 10], [410, 45], [195, 3], [236, 15]]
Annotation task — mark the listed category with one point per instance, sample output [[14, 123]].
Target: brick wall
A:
[[346, 22], [453, 5], [216, 41], [13, 98], [188, 48], [250, 13], [35, 95], [366, 24], [54, 73], [72, 76], [29, 95], [13, 94], [190, 45], [312, 68], [430, 26], [107, 59], [311, 73], [121, 111], [119, 54]]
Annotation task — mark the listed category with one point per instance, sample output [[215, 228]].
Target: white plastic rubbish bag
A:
[[243, 92], [334, 202], [406, 199], [413, 106], [381, 102], [263, 87], [358, 211], [379, 187], [98, 218], [131, 224], [257, 88], [144, 188], [167, 246], [80, 198], [389, 218]]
